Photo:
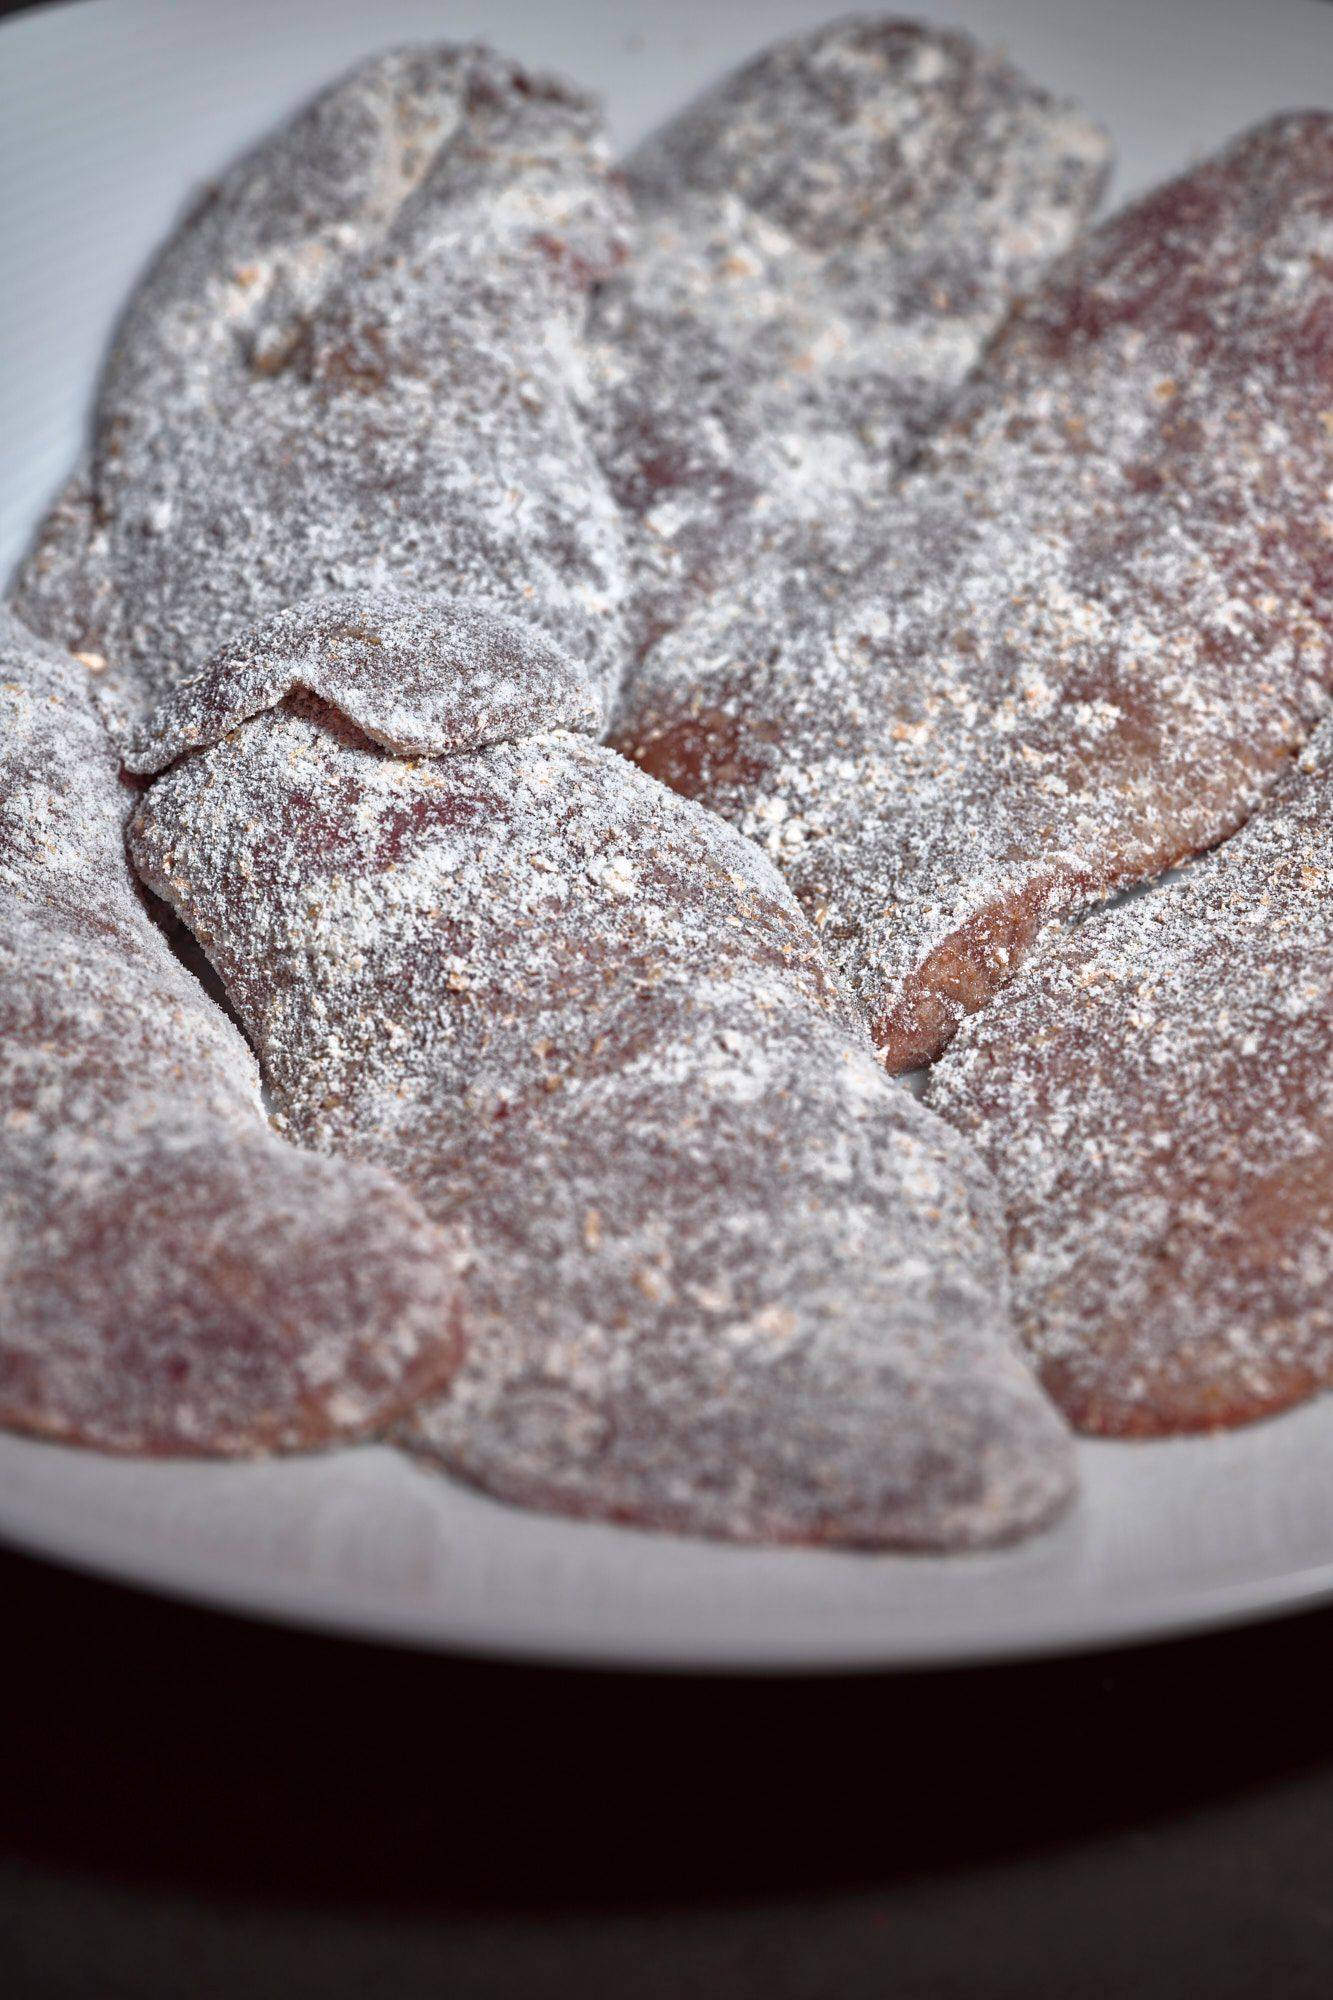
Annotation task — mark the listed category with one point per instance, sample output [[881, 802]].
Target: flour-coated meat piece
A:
[[421, 675], [824, 242], [354, 367], [1085, 635], [174, 1277], [1155, 1095], [723, 1277]]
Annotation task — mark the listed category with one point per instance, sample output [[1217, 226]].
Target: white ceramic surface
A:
[[110, 110]]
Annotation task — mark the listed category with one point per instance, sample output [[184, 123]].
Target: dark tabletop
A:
[[193, 1807]]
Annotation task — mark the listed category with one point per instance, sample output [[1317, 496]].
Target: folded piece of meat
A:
[[1155, 1095], [723, 1277], [1086, 633], [173, 1276], [824, 242], [353, 367]]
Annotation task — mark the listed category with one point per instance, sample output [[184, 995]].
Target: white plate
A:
[[109, 112]]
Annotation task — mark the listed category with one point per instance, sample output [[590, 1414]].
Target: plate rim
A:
[[84, 1545]]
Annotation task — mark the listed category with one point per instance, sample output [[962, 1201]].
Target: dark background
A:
[[193, 1807]]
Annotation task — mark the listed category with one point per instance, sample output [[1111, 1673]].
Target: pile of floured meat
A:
[[431, 453], [714, 1257], [176, 1277], [1078, 641]]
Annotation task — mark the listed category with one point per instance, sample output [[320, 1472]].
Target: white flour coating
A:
[[723, 1277], [823, 244], [1155, 1094], [173, 1277], [354, 368], [421, 675], [1083, 636]]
